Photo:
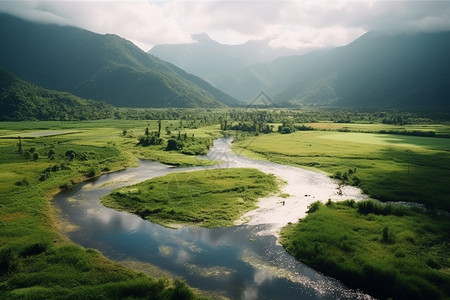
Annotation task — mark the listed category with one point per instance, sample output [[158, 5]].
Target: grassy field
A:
[[207, 198], [36, 261], [388, 252], [438, 129], [387, 167], [405, 253]]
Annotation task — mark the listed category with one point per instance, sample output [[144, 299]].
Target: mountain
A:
[[210, 59], [376, 70], [21, 100], [100, 67]]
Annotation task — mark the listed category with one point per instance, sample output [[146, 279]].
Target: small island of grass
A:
[[206, 198]]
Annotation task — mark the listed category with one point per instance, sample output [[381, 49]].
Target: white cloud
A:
[[295, 24]]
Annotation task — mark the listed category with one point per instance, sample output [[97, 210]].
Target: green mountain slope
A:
[[391, 71], [21, 100], [100, 67]]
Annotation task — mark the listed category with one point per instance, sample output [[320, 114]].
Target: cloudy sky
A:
[[295, 24]]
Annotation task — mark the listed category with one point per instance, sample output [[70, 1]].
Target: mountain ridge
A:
[[376, 70], [100, 67]]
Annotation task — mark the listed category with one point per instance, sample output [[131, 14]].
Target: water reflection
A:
[[241, 262]]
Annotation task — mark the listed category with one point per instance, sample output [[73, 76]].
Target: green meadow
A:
[[385, 250], [36, 260], [385, 166], [207, 198]]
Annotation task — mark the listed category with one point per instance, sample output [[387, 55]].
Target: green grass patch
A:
[[208, 198], [369, 245]]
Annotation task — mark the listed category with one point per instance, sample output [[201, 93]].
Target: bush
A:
[[51, 153], [314, 207], [92, 172], [23, 182], [70, 154], [173, 144]]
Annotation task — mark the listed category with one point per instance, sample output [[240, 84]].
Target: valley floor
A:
[[387, 167]]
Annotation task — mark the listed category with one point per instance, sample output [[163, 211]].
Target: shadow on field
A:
[[415, 177]]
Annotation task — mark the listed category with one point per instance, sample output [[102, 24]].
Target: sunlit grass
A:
[[406, 253], [36, 262], [208, 198], [390, 167], [439, 129]]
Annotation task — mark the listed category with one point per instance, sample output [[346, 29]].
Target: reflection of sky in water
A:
[[239, 261]]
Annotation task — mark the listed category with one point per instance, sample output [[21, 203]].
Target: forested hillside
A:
[[20, 100], [100, 67]]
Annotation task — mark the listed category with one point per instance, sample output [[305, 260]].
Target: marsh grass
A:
[[207, 198], [369, 245]]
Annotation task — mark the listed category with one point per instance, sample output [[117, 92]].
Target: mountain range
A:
[[210, 59], [401, 71], [377, 70], [100, 67]]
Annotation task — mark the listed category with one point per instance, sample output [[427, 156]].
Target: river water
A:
[[240, 262]]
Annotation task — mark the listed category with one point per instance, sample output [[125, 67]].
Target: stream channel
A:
[[240, 262]]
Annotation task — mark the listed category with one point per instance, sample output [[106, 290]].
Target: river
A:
[[240, 262]]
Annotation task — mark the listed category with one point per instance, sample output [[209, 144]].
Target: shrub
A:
[[91, 172], [314, 207], [51, 153], [27, 154], [70, 154], [23, 182], [173, 144]]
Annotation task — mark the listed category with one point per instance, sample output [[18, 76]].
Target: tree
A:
[[173, 144], [19, 146], [159, 127]]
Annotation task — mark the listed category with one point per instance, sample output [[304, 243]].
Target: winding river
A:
[[240, 262]]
